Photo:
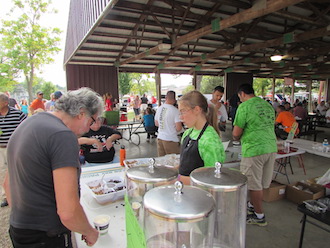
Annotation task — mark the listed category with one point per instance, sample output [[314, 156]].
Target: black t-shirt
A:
[[92, 155], [144, 100]]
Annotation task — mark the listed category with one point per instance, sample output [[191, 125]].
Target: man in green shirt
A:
[[254, 126]]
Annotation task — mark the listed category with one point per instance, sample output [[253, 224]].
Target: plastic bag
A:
[[325, 179]]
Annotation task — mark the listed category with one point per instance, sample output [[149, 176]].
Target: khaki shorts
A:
[[258, 170], [167, 147]]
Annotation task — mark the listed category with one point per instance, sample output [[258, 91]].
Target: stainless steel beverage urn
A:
[[229, 189], [178, 217], [140, 179]]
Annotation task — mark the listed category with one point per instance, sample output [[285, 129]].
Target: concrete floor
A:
[[283, 218]]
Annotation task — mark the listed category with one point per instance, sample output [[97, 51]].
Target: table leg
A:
[[301, 162], [303, 223]]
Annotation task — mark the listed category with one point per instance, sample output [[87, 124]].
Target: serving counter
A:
[[116, 236]]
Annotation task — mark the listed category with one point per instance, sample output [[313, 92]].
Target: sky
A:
[[55, 72]]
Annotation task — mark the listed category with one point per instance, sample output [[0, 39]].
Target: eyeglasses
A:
[[184, 111], [93, 120]]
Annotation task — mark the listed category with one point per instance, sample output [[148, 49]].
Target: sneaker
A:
[[148, 139], [4, 203], [253, 219], [250, 210]]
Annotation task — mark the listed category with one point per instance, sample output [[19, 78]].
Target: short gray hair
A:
[[73, 102], [4, 97]]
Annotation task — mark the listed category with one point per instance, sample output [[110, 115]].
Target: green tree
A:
[[187, 89], [29, 45], [261, 86], [48, 88], [141, 84], [209, 83], [124, 83], [7, 72]]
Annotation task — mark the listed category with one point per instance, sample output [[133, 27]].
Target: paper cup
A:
[[136, 208], [101, 223]]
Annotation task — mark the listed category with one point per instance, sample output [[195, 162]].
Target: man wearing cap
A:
[[37, 103], [49, 106], [10, 118]]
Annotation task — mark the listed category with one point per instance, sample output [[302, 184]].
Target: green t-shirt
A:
[[210, 146], [257, 118]]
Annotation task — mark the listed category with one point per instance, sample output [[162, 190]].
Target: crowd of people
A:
[[42, 172]]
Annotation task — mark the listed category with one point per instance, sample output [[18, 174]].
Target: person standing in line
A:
[[144, 104], [37, 103], [219, 107], [136, 107], [108, 102], [154, 101], [10, 118], [50, 103], [200, 144], [254, 126], [275, 103], [12, 102], [234, 101], [42, 183], [24, 107], [167, 119]]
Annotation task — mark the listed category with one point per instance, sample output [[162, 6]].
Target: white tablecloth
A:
[[116, 236], [310, 147]]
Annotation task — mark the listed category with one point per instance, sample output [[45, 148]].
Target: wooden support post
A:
[[310, 99], [273, 89], [195, 80], [292, 93], [158, 87]]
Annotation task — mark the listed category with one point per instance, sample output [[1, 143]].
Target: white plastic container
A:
[[108, 189]]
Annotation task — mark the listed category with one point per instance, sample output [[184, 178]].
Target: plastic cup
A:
[[101, 223]]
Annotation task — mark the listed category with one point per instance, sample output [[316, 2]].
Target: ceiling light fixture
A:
[[276, 58]]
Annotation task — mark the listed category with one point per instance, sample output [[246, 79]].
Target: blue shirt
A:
[[149, 120]]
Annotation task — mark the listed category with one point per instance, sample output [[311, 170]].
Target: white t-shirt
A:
[[327, 115], [322, 109], [167, 115], [222, 112]]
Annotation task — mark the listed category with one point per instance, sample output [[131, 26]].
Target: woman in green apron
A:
[[200, 144]]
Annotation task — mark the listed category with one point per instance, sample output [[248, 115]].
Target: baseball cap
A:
[[40, 93], [57, 94]]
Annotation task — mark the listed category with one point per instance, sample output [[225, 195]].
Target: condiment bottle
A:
[[122, 155]]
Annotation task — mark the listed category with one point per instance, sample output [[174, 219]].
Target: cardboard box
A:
[[299, 192], [276, 191], [312, 181]]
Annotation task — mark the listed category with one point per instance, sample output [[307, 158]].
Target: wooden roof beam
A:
[[255, 47], [266, 7], [141, 19], [146, 53], [317, 51]]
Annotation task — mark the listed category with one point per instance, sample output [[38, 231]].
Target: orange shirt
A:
[[286, 118], [37, 104]]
